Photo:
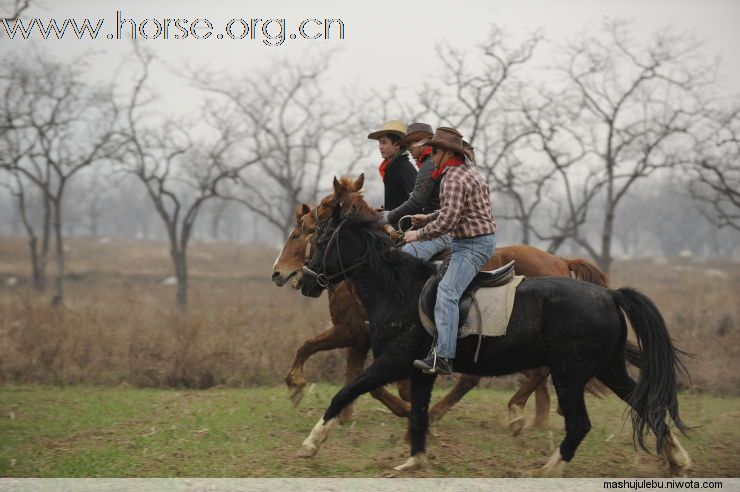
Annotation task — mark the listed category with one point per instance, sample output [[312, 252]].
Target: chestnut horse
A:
[[349, 327]]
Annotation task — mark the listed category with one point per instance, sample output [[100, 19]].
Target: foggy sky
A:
[[386, 42]]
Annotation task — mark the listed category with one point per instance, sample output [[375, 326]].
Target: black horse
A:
[[575, 328]]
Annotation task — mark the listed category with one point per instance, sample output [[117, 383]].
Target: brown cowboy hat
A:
[[392, 127], [447, 138], [470, 149], [416, 130]]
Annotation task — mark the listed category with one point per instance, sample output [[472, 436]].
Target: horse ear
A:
[[338, 188], [301, 210], [359, 182], [337, 213]]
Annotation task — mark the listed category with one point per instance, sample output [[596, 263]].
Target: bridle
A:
[[313, 232], [323, 279]]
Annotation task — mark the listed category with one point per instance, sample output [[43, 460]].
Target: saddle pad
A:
[[492, 306]]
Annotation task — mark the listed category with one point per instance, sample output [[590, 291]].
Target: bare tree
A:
[[66, 126], [564, 155], [631, 111], [179, 172], [479, 95], [16, 144], [718, 170], [299, 134]]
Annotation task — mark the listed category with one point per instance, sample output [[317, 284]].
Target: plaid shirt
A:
[[466, 210]]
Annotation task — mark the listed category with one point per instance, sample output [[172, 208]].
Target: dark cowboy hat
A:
[[392, 127], [446, 138], [416, 130]]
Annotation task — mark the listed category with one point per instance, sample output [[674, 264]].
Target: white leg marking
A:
[[554, 466], [318, 435], [417, 461], [676, 456]]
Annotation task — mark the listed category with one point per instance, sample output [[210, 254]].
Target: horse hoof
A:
[[416, 462], [307, 451], [295, 393], [516, 426], [554, 468]]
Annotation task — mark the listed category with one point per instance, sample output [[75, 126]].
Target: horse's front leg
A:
[[421, 393], [335, 336], [381, 371]]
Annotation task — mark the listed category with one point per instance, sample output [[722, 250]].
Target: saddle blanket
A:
[[489, 313]]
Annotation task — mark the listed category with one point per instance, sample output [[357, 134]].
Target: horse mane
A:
[[394, 267], [359, 208]]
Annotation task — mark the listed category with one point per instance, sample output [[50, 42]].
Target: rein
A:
[[324, 279]]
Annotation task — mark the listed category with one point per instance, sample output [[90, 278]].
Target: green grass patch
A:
[[81, 431]]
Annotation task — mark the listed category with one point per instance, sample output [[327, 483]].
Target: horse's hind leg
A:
[[335, 336], [570, 390], [465, 383], [380, 372], [533, 380], [615, 376], [421, 393], [542, 403]]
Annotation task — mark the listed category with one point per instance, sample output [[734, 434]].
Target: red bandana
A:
[[424, 153], [383, 167], [451, 162]]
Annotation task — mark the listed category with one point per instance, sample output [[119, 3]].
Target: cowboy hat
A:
[[392, 127], [470, 149], [446, 138], [416, 130]]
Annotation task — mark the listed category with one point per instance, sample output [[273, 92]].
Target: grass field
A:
[[86, 431]]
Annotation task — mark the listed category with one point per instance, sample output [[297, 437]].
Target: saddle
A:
[[492, 278]]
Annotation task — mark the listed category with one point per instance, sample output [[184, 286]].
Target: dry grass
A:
[[119, 325]]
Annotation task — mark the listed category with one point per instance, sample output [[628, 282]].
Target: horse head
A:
[[341, 245], [293, 254], [296, 250]]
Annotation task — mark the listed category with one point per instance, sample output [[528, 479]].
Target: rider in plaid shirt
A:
[[466, 213], [465, 206]]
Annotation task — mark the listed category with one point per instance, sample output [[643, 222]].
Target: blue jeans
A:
[[468, 257], [425, 250]]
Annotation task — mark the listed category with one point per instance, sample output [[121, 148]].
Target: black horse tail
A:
[[656, 390]]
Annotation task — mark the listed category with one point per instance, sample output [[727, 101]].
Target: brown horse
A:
[[349, 328]]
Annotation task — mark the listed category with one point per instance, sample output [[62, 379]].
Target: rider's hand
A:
[[389, 229], [419, 220], [411, 236]]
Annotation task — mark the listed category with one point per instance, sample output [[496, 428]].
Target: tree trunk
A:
[[36, 273], [525, 231], [59, 280], [179, 260], [605, 258], [45, 242]]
